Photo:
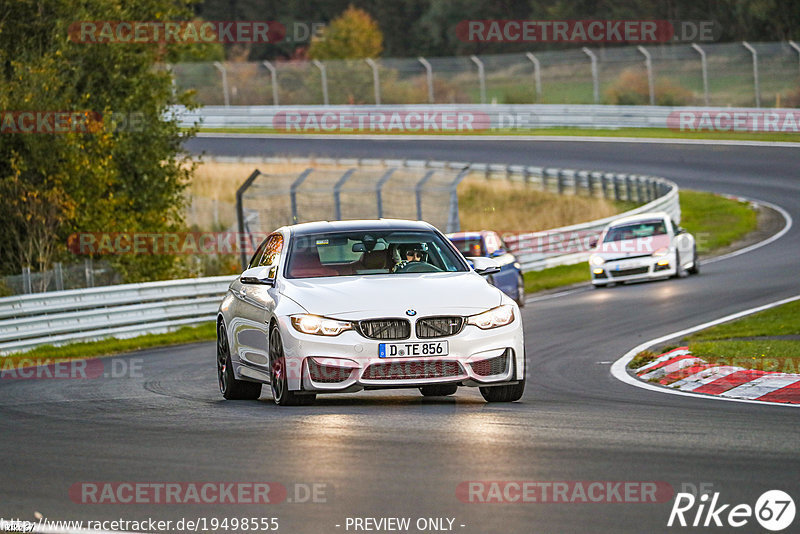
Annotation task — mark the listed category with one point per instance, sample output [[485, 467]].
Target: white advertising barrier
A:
[[457, 118]]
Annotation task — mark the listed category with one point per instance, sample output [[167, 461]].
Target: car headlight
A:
[[663, 251], [596, 260], [500, 316], [319, 326]]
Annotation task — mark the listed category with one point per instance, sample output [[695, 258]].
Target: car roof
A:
[[640, 217], [357, 225]]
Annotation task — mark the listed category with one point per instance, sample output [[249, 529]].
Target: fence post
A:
[[321, 66], [453, 224], [595, 81], [418, 191], [88, 271], [293, 192], [59, 272], [796, 47], [376, 80], [755, 72], [704, 67], [337, 189], [225, 93], [242, 238], [429, 76], [648, 64], [560, 182], [273, 74], [379, 188], [537, 75], [481, 77]]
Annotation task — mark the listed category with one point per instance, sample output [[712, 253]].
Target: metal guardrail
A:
[[452, 118], [60, 317]]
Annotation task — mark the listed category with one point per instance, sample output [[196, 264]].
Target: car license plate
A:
[[412, 348]]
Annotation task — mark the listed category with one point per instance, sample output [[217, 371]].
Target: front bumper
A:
[[350, 362], [632, 269]]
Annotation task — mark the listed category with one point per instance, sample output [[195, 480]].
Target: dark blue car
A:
[[488, 244]]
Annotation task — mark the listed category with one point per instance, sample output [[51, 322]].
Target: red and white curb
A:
[[679, 370], [703, 376]]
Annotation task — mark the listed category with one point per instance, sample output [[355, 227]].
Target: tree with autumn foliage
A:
[[352, 35]]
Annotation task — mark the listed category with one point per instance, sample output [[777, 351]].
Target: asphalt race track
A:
[[393, 454]]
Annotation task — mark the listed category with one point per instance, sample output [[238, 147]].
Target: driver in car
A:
[[414, 253]]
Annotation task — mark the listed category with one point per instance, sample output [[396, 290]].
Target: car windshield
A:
[[370, 252], [468, 246], [636, 231]]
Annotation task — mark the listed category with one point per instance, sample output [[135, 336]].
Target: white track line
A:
[[481, 138], [618, 369]]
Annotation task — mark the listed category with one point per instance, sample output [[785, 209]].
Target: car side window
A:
[[254, 261], [272, 250]]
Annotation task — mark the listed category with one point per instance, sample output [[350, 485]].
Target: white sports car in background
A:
[[643, 247], [334, 307]]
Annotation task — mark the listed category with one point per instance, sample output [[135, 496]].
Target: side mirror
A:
[[679, 230], [593, 242], [484, 265], [260, 275]]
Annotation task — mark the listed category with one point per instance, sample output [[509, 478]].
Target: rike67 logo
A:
[[774, 510]]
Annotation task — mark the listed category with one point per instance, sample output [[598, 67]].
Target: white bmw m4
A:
[[335, 307]]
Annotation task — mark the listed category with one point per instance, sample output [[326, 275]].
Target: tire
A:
[[229, 386], [508, 393], [279, 384], [695, 268], [599, 286], [520, 292], [439, 390]]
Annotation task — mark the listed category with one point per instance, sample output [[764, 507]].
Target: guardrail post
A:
[[537, 75], [225, 93], [337, 189], [617, 195], [376, 80], [755, 72], [648, 63], [481, 77], [453, 224], [796, 47], [595, 80], [561, 182], [628, 189], [293, 192], [273, 73], [379, 188], [429, 77], [418, 192], [323, 73], [243, 236], [704, 67]]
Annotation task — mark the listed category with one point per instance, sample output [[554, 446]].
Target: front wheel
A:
[[695, 268], [510, 393], [438, 390], [278, 378]]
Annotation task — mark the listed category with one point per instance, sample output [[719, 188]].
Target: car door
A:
[[253, 304]]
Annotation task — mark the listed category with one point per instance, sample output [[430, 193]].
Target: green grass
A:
[[661, 133], [715, 221], [723, 343], [106, 347], [563, 275]]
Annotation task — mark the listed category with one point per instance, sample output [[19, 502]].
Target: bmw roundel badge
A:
[[411, 313]]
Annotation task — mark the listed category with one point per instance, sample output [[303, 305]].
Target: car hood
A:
[[358, 297], [631, 248]]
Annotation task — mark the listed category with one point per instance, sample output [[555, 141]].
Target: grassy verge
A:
[[106, 347], [660, 133], [715, 221], [761, 341]]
